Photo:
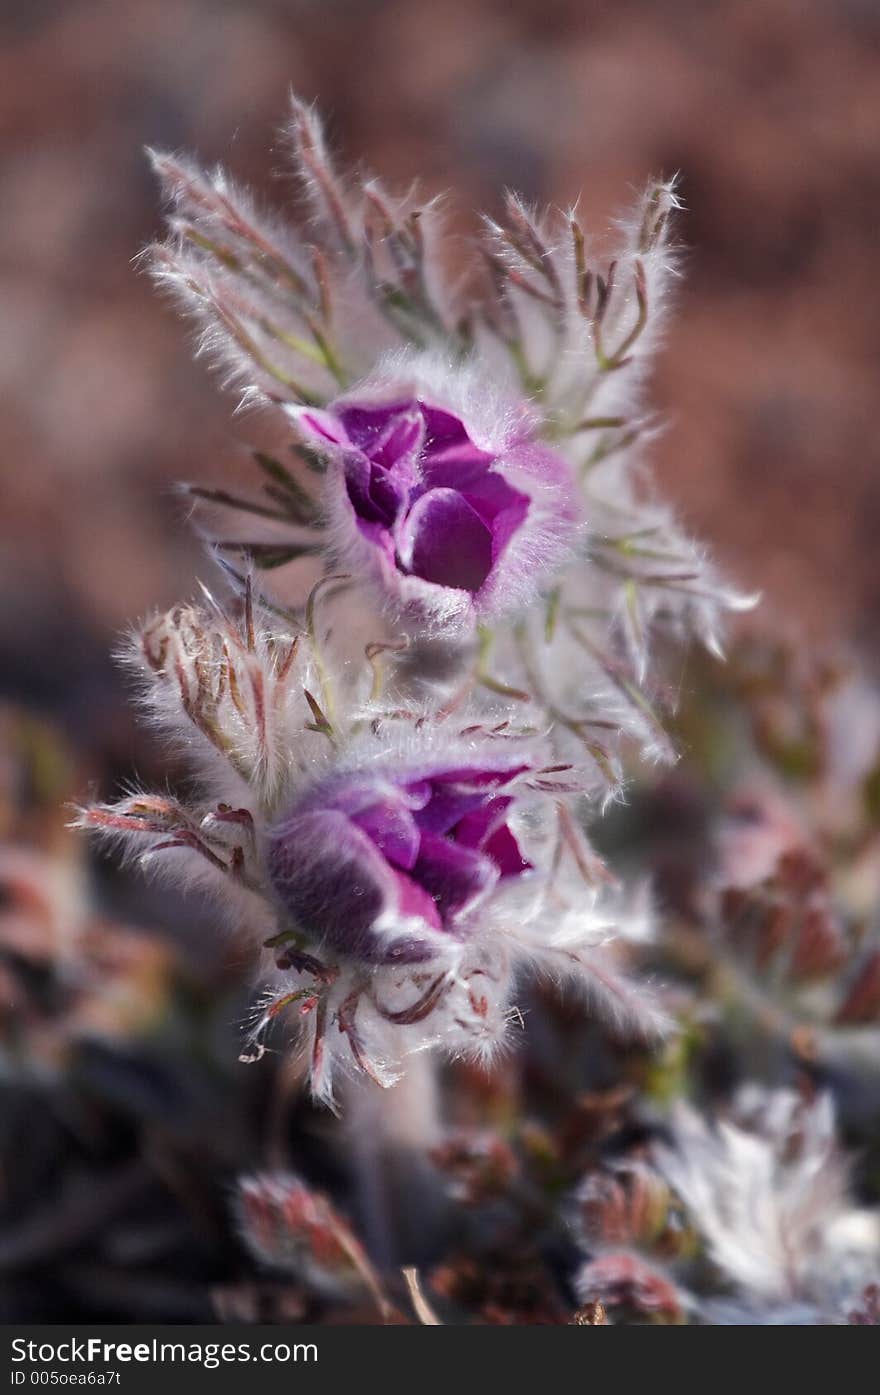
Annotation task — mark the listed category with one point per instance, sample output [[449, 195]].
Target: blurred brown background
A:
[[771, 111]]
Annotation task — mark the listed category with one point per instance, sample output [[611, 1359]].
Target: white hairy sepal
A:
[[236, 704]]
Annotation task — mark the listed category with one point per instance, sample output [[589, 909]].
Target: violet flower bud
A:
[[459, 520], [386, 866]]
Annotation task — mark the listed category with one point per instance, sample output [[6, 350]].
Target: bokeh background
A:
[[768, 382]]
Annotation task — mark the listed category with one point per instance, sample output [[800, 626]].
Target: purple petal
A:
[[504, 851], [473, 830], [400, 444], [365, 425], [453, 876], [444, 428], [376, 495], [392, 828], [502, 508], [332, 879], [443, 540], [486, 830], [335, 883], [459, 794], [447, 808], [449, 453], [414, 900]]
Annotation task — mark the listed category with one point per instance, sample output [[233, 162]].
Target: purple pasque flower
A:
[[454, 506], [387, 865]]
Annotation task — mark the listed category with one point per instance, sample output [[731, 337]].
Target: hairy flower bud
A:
[[458, 520], [383, 865], [290, 1227]]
